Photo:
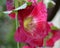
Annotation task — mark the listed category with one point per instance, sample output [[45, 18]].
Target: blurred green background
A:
[[7, 28]]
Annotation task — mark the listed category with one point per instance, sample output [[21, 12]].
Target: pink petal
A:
[[36, 42], [25, 12], [40, 12], [20, 35], [50, 43], [10, 6], [43, 29], [26, 47], [54, 38]]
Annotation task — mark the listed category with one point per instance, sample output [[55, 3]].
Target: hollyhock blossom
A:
[[54, 38], [33, 24], [38, 29]]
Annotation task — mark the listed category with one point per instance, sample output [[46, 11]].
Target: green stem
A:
[[44, 42], [16, 5], [17, 44], [47, 38]]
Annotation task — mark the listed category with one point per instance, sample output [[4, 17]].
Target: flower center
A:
[[29, 24]]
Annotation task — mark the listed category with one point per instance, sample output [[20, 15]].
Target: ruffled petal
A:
[[40, 12], [25, 12], [10, 6], [20, 35], [54, 38], [37, 42]]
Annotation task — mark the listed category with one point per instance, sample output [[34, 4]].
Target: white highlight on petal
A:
[[7, 12], [19, 8]]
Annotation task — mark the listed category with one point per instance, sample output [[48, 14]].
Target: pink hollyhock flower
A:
[[33, 24], [54, 38], [38, 27]]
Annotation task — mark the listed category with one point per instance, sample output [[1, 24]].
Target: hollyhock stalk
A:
[[16, 17]]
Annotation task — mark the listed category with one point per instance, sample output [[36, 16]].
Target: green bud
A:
[[29, 3], [51, 4]]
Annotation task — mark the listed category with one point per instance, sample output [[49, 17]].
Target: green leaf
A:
[[39, 0], [29, 3], [21, 2], [46, 2], [51, 4], [54, 28]]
